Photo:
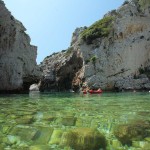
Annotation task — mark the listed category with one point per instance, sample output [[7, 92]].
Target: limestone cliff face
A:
[[18, 67], [59, 70], [121, 54], [115, 50]]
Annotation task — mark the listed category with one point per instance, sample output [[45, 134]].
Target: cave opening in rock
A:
[[66, 83]]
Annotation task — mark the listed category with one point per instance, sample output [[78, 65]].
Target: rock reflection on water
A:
[[111, 121], [34, 94]]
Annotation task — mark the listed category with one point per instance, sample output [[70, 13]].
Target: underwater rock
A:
[[83, 139], [79, 122], [1, 146], [39, 147], [127, 133], [25, 119], [25, 133], [44, 135], [116, 144], [141, 144], [147, 139], [13, 139], [56, 136], [48, 117], [5, 129], [2, 137], [145, 145], [69, 121]]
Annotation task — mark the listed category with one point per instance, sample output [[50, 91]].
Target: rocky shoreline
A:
[[115, 57], [112, 54]]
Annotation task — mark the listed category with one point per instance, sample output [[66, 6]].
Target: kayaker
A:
[[99, 89]]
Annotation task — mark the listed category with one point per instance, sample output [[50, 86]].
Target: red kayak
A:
[[84, 92], [95, 91]]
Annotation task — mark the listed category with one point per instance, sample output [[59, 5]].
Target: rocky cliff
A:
[[59, 70], [18, 67], [114, 52]]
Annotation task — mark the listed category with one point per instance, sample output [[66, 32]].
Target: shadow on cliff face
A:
[[63, 74], [67, 73]]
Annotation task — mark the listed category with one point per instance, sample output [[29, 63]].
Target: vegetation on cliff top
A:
[[144, 3], [99, 29]]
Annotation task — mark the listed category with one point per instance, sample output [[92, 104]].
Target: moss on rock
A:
[[127, 133], [56, 136], [69, 121], [39, 147], [25, 133], [83, 139], [27, 119]]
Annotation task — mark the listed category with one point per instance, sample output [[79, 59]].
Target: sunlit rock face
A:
[[114, 52], [18, 67], [122, 54]]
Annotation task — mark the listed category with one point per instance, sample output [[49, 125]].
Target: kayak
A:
[[84, 92], [95, 91]]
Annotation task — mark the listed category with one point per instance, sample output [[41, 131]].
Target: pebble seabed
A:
[[64, 121]]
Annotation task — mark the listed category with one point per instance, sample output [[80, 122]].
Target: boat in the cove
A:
[[93, 91]]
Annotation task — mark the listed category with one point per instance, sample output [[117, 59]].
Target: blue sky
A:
[[50, 23]]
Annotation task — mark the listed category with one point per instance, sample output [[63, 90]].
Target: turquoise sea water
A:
[[38, 121]]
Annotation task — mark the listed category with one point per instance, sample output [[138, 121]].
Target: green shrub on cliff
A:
[[93, 59], [144, 3], [69, 51], [99, 29]]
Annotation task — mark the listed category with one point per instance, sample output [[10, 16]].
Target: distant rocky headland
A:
[[113, 54]]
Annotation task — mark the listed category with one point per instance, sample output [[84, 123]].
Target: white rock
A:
[[34, 87]]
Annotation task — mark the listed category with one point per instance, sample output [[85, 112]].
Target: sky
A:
[[50, 23]]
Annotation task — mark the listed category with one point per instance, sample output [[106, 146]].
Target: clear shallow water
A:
[[30, 121]]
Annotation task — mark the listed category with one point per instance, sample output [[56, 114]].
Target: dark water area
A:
[[67, 121]]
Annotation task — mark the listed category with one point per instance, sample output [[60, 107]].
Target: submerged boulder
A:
[[56, 136], [136, 131], [83, 139], [39, 147], [27, 119]]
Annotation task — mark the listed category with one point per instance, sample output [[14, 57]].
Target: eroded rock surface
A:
[[18, 67], [121, 54], [84, 139], [114, 52], [60, 69]]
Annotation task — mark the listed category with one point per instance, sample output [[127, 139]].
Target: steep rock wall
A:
[[114, 50], [120, 55], [18, 67], [59, 70]]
